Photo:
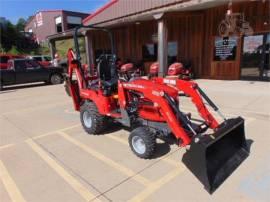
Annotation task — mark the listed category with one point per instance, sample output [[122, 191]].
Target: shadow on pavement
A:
[[13, 88], [6, 91], [161, 150]]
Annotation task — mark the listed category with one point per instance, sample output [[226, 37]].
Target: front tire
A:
[[92, 121], [142, 142], [56, 79]]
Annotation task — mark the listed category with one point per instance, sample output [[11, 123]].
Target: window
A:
[[150, 52], [73, 21], [58, 23], [31, 64], [99, 52], [172, 52], [4, 59], [30, 30], [38, 58], [20, 64], [47, 58], [27, 64]]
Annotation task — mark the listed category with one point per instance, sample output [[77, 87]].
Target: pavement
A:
[[46, 156]]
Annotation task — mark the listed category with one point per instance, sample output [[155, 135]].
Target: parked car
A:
[[45, 60], [27, 71], [4, 59]]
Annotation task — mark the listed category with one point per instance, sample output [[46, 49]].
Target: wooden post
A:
[[162, 45], [52, 48]]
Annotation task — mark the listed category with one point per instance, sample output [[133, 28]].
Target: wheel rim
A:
[[56, 79], [87, 120], [138, 144]]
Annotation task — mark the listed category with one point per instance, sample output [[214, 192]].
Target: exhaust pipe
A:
[[216, 156]]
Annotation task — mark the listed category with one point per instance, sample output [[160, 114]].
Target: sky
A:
[[14, 9]]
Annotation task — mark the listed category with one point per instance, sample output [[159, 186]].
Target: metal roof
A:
[[121, 8], [120, 11]]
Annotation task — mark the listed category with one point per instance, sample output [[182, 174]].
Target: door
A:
[[35, 72], [255, 57], [20, 71]]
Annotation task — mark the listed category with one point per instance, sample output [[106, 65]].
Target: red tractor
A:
[[152, 109], [176, 69]]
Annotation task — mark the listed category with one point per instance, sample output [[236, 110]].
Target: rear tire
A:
[[56, 79], [142, 142], [92, 121]]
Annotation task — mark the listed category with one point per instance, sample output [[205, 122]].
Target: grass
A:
[[63, 46]]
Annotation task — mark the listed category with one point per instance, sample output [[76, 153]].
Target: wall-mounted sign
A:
[[74, 20], [39, 19], [225, 48], [58, 20]]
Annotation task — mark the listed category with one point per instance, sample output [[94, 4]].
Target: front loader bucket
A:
[[215, 157]]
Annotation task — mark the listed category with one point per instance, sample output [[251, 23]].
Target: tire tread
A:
[[149, 138], [98, 122]]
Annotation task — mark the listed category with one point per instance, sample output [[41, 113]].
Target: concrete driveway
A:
[[46, 156]]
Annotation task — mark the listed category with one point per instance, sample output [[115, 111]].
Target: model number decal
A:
[[169, 81]]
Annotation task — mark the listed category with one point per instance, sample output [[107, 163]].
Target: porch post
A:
[[52, 48], [162, 45]]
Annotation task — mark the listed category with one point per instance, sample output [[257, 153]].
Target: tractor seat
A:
[[107, 74]]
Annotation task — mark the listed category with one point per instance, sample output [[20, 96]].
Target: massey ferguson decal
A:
[[130, 85]]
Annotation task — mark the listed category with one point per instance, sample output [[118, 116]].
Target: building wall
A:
[[194, 32], [255, 12], [70, 13], [48, 26]]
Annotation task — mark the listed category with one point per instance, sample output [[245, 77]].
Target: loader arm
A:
[[155, 92], [190, 89]]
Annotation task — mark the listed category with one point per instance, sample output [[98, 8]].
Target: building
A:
[[48, 22], [223, 39]]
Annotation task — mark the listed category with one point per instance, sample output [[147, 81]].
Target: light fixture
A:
[[137, 23]]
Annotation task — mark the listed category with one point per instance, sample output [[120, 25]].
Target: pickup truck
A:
[[5, 57], [44, 60], [27, 71]]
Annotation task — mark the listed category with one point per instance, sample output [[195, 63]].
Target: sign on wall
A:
[[39, 19], [74, 20], [58, 20], [225, 48]]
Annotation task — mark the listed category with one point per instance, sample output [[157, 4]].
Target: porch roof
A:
[[120, 11]]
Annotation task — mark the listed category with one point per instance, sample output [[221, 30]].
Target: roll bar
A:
[[76, 43]]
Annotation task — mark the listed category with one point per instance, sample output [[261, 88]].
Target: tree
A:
[[13, 37], [21, 24], [8, 36]]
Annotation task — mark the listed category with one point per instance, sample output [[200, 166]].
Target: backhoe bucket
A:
[[216, 156]]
